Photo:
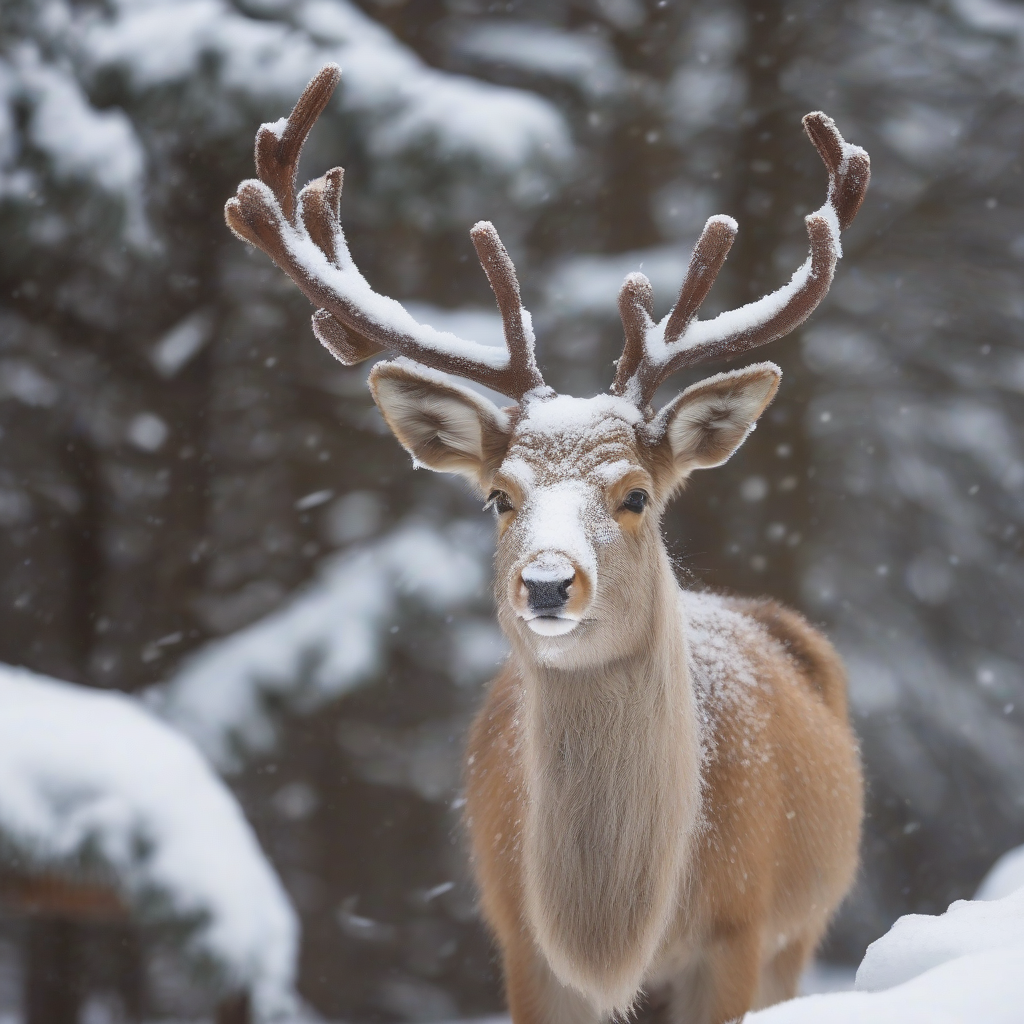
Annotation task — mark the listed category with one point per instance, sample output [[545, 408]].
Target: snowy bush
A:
[[330, 637], [92, 779]]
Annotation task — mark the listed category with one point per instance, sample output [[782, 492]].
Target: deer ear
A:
[[442, 425], [704, 425]]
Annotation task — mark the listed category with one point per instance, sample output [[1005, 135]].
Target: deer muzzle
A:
[[551, 594]]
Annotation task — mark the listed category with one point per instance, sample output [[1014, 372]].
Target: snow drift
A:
[[960, 966], [85, 774]]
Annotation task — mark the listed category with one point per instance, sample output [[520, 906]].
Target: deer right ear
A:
[[442, 425]]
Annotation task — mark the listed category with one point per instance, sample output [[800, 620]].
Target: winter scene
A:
[[374, 646]]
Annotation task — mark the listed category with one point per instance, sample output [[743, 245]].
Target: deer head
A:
[[578, 485]]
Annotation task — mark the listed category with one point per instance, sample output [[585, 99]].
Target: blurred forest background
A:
[[199, 506]]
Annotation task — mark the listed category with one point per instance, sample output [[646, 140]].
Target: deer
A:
[[663, 788]]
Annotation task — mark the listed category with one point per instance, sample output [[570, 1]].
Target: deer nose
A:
[[547, 581]]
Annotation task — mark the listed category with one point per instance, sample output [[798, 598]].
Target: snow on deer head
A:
[[578, 485]]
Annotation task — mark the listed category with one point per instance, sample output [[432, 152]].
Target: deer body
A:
[[750, 873], [670, 801], [663, 790]]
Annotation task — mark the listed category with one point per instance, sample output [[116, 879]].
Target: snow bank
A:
[[84, 772], [982, 987], [963, 965], [1006, 876], [918, 942], [325, 641]]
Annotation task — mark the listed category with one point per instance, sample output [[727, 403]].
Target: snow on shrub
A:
[[328, 638], [86, 775], [406, 105]]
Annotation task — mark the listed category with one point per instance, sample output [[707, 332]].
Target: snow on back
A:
[[325, 640], [1006, 876], [724, 678], [80, 769]]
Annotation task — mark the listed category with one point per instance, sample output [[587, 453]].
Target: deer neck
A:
[[612, 760]]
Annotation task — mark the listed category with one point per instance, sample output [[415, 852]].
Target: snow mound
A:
[[85, 773], [1006, 876], [918, 942], [326, 640], [986, 987], [962, 966]]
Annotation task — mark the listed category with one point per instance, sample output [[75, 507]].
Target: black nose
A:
[[546, 594]]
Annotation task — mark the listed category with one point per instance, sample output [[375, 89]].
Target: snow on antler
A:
[[654, 351], [304, 237]]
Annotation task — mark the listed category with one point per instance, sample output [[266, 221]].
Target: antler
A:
[[654, 351], [303, 236]]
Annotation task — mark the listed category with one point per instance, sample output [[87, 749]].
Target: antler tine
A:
[[516, 323], [681, 340], [636, 298], [304, 237], [636, 310], [708, 257], [279, 145]]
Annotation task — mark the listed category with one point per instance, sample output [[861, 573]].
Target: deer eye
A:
[[500, 502], [635, 501]]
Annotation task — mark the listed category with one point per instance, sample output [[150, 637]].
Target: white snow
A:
[[585, 61], [326, 640], [182, 342], [350, 286], [979, 988], [1006, 876], [578, 415], [80, 141], [961, 966], [408, 103], [590, 284], [404, 106], [717, 639], [84, 770], [918, 942]]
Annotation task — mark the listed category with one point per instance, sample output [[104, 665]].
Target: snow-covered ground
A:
[[92, 775], [960, 966]]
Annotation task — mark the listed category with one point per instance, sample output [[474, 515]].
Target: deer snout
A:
[[549, 592]]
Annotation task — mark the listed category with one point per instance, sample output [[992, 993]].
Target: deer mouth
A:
[[551, 625]]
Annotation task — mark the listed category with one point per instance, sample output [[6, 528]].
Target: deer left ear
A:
[[704, 425]]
